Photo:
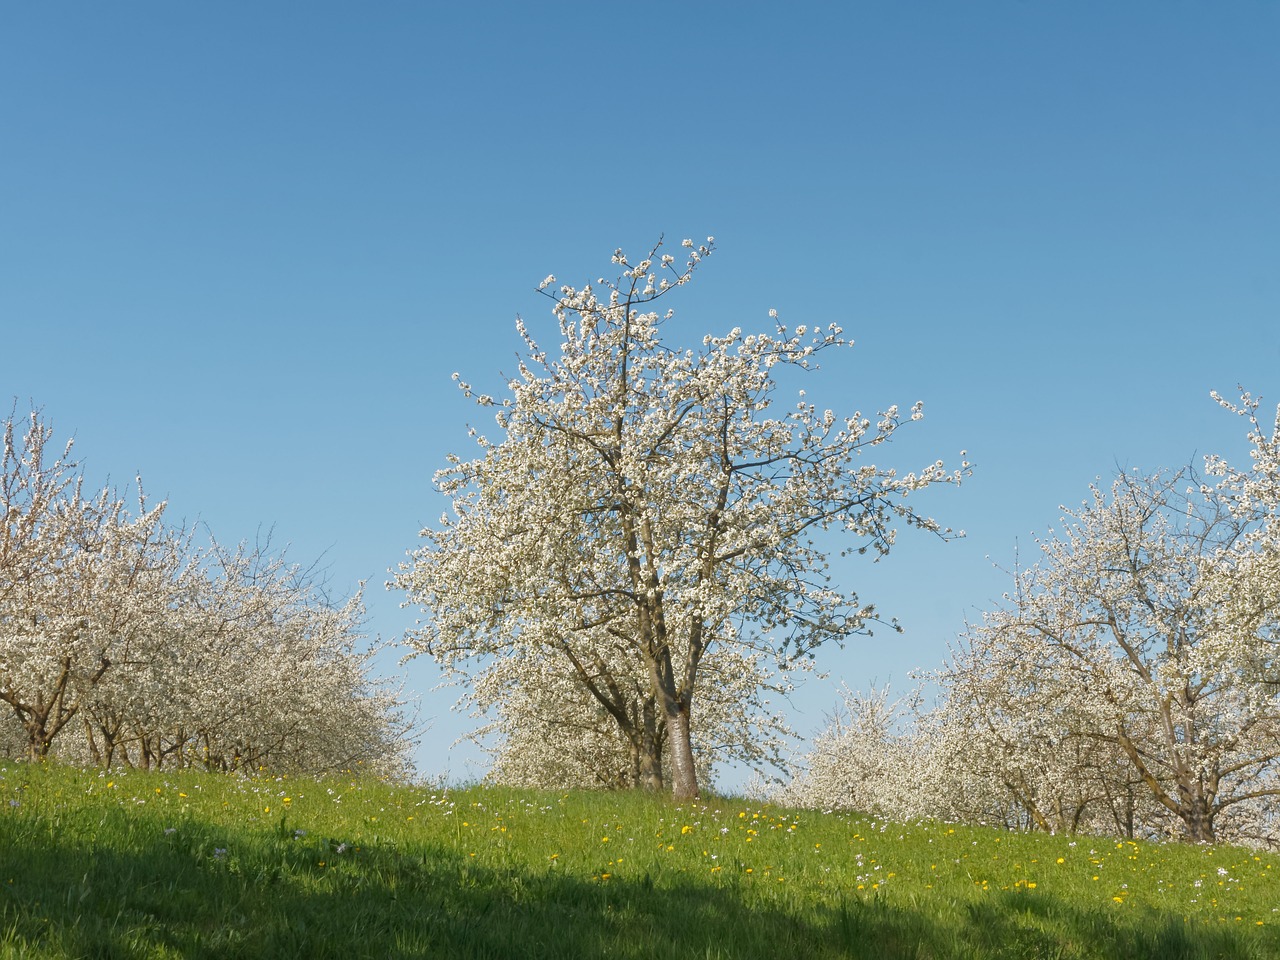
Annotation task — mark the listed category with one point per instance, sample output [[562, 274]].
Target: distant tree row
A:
[[1129, 684], [122, 642]]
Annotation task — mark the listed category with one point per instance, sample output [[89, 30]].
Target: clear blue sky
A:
[[243, 246]]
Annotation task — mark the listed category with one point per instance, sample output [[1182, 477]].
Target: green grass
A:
[[196, 865]]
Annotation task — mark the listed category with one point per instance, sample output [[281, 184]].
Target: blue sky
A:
[[243, 247]]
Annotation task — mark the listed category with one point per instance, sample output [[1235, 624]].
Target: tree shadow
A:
[[183, 896], [1015, 925]]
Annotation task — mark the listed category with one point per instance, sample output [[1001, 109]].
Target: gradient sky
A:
[[243, 246]]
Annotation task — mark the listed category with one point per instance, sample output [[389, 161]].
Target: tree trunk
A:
[[39, 738], [650, 772], [94, 755], [684, 775], [1198, 817], [38, 744]]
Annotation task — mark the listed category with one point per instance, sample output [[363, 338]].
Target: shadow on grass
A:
[[181, 896], [1017, 925]]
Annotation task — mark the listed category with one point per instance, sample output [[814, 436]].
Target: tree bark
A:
[[650, 772], [684, 775]]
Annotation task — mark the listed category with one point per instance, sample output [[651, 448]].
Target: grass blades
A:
[[196, 865]]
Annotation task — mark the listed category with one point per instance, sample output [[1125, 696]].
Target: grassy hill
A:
[[193, 865]]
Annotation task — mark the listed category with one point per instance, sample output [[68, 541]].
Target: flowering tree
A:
[[81, 584], [259, 670], [992, 753], [120, 643], [866, 759], [1120, 637], [969, 759], [1130, 685], [1252, 590], [645, 506]]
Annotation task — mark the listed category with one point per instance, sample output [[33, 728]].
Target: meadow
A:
[[133, 864]]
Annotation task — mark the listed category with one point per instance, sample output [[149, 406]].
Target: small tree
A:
[[865, 759], [997, 754], [645, 505]]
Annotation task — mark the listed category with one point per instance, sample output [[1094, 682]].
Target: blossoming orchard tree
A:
[[1130, 685], [260, 671], [992, 753], [1252, 591], [122, 644], [866, 759], [1120, 637], [646, 505], [81, 584]]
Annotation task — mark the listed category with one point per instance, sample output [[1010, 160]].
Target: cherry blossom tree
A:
[[865, 759], [991, 753], [1129, 685], [645, 505], [122, 644], [261, 670], [965, 759], [81, 584], [1119, 637], [1252, 588]]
